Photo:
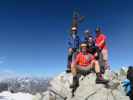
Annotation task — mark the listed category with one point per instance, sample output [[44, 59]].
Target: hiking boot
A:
[[100, 79], [68, 70], [102, 69], [75, 83]]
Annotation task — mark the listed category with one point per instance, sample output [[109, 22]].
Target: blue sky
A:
[[33, 33]]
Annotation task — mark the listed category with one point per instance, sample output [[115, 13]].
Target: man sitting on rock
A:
[[85, 62]]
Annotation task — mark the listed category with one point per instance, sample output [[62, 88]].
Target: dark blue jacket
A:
[[74, 43]]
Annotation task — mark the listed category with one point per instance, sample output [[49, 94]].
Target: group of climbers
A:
[[94, 45], [88, 55]]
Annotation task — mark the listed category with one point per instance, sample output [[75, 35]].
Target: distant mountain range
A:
[[24, 84]]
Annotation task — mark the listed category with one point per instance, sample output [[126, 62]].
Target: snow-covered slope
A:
[[17, 96]]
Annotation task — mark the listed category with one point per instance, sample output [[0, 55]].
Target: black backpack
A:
[[130, 77], [130, 74]]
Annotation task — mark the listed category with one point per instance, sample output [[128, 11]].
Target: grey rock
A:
[[87, 90]]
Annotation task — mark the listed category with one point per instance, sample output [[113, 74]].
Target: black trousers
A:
[[71, 56]]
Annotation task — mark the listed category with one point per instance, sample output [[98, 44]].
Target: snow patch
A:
[[16, 96]]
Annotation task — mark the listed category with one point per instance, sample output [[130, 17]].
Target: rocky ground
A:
[[87, 90]]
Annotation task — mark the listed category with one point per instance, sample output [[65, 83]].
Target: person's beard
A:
[[84, 52]]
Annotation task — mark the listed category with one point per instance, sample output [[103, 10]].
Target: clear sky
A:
[[33, 33]]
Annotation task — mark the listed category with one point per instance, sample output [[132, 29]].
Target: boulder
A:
[[87, 90]]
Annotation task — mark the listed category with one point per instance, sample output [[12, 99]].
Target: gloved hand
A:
[[125, 83], [127, 86]]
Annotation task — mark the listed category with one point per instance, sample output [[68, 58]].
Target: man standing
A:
[[87, 35], [74, 41], [101, 43], [73, 47], [90, 41]]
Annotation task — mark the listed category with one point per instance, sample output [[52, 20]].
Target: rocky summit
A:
[[59, 89], [87, 90]]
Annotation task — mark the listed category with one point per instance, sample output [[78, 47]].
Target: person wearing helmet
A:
[[90, 41], [84, 63], [73, 46], [101, 43], [87, 34]]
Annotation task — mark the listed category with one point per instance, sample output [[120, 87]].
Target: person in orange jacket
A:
[[101, 43], [85, 62]]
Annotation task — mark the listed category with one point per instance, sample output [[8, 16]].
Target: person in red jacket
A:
[[101, 43]]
